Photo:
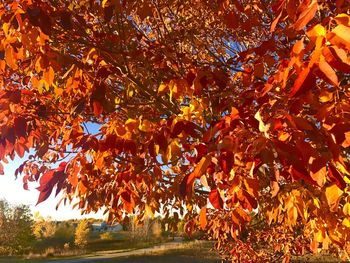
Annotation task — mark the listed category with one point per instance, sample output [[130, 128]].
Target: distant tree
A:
[[82, 234], [65, 231], [15, 228], [43, 228]]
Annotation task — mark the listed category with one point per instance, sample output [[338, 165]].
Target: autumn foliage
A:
[[232, 113]]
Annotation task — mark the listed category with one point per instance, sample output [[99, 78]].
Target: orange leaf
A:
[[274, 188], [203, 217], [340, 36], [201, 167], [252, 186], [318, 170], [333, 194], [306, 16], [9, 57], [49, 76], [275, 22], [299, 81], [329, 73]]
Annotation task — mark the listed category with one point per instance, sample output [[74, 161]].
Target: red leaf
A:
[[178, 128], [19, 149], [61, 167], [186, 185], [1, 169], [232, 20], [336, 177], [20, 126], [46, 178], [44, 195], [215, 199], [97, 107], [128, 202]]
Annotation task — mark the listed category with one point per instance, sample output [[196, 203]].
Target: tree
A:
[[237, 110], [82, 233], [43, 228], [15, 228]]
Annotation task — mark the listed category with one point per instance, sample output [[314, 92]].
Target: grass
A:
[[191, 252], [119, 243]]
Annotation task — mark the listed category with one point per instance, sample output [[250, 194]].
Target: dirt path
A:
[[138, 255]]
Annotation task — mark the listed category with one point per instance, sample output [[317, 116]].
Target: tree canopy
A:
[[233, 113]]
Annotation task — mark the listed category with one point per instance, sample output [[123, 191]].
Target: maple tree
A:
[[233, 113]]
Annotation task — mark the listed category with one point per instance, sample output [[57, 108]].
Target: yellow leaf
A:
[[5, 27], [173, 89], [346, 209], [326, 96], [333, 193], [187, 113], [346, 222], [319, 236], [173, 151], [43, 86], [342, 168], [316, 203], [104, 3], [162, 87], [132, 124], [156, 149], [316, 31], [283, 136]]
